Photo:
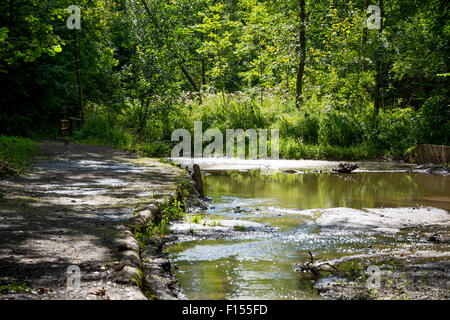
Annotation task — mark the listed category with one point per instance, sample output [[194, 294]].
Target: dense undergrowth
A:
[[317, 131], [15, 155]]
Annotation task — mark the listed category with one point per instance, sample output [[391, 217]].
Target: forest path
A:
[[72, 209]]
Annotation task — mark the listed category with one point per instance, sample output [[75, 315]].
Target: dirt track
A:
[[73, 209]]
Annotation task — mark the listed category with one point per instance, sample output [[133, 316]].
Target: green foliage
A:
[[230, 64], [316, 132], [160, 225], [170, 211], [291, 149], [237, 111], [15, 287], [196, 218], [101, 130], [435, 120], [24, 36], [394, 131], [152, 149], [300, 125], [339, 129], [15, 154]]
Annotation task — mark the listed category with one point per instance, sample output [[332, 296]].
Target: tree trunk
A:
[[80, 90], [144, 110], [192, 82], [203, 65], [203, 71], [302, 53], [174, 54], [362, 53], [379, 68], [364, 35]]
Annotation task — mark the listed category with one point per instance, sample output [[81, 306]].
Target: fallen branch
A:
[[316, 268], [310, 266]]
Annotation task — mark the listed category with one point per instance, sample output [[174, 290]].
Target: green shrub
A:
[[15, 154], [435, 120], [98, 129], [169, 211], [153, 149], [15, 287], [160, 224], [393, 131], [196, 218], [339, 128], [316, 131], [300, 125]]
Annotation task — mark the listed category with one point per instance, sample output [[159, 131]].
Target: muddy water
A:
[[257, 263]]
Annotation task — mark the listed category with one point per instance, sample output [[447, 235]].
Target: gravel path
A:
[[73, 209]]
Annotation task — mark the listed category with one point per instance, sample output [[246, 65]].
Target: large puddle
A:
[[256, 263]]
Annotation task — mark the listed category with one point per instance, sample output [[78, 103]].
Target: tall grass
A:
[[120, 132], [98, 129], [318, 130]]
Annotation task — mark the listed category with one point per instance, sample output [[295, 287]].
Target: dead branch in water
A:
[[310, 266], [316, 268], [345, 168]]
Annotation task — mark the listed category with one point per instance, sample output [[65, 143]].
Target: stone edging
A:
[[132, 268]]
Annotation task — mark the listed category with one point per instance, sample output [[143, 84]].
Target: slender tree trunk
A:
[[203, 71], [377, 100], [203, 64], [261, 89], [379, 68], [174, 54], [192, 82], [361, 54], [364, 35], [144, 110], [80, 90], [302, 53], [382, 105]]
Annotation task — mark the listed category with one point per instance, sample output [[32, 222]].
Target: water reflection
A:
[[327, 190]]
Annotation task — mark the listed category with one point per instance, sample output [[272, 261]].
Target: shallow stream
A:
[[256, 262]]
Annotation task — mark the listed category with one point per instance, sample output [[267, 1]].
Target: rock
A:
[[345, 221]]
